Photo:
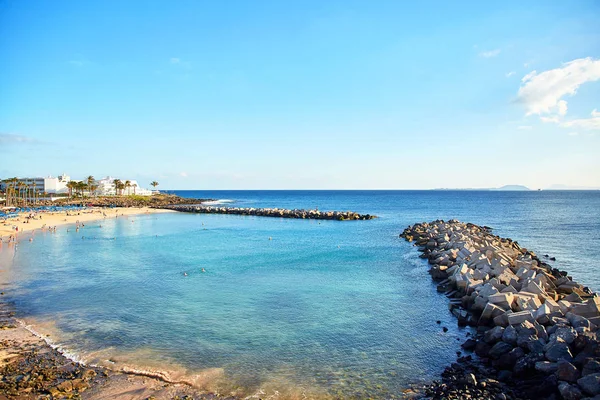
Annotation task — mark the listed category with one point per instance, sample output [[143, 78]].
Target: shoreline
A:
[[53, 371], [46, 219]]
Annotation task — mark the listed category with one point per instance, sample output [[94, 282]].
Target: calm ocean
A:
[[326, 308]]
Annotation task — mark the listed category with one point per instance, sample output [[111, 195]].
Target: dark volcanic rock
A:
[[590, 384], [559, 351], [499, 349], [566, 371], [569, 392]]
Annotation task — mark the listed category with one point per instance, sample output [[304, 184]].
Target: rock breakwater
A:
[[273, 212], [537, 328]]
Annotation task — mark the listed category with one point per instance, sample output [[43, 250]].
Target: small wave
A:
[[216, 202]]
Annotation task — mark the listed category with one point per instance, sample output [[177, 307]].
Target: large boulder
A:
[[566, 333], [566, 371], [590, 384], [499, 349], [569, 392], [558, 350], [493, 335], [510, 335], [591, 367]]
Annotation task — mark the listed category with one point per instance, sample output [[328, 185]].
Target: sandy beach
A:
[[30, 222]]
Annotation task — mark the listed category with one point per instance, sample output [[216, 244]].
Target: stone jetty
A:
[[536, 327], [273, 212]]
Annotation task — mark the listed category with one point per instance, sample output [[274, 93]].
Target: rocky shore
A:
[[156, 201], [537, 329], [273, 212], [31, 369]]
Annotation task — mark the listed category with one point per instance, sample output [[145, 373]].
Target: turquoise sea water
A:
[[326, 308]]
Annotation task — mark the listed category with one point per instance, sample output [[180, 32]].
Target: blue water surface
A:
[[327, 308]]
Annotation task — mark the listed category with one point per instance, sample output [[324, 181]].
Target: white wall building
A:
[[49, 184], [106, 187]]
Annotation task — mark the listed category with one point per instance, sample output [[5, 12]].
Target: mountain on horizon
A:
[[513, 188]]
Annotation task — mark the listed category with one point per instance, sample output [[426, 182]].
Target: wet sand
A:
[[60, 218]]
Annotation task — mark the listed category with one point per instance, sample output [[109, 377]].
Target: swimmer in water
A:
[[185, 274], [270, 238], [203, 270]]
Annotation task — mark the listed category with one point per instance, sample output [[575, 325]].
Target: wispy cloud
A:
[[573, 133], [509, 74], [490, 53], [546, 120], [12, 139], [524, 127], [180, 63], [183, 174], [591, 124]]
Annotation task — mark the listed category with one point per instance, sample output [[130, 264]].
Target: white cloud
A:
[[509, 74], [175, 60], [184, 174], [562, 108], [541, 93], [489, 54], [524, 127], [573, 133], [9, 138], [591, 124]]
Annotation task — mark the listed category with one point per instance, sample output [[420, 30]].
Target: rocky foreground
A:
[[273, 212], [31, 369], [537, 329]]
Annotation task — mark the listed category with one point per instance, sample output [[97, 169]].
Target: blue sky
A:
[[302, 94]]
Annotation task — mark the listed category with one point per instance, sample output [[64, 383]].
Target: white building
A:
[[106, 187], [49, 184]]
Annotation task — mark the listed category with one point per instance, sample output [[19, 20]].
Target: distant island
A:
[[520, 188]]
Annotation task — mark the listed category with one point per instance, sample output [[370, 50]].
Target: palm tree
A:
[[134, 186], [81, 186], [34, 185], [116, 184], [154, 184], [127, 186], [93, 188], [71, 185], [90, 181]]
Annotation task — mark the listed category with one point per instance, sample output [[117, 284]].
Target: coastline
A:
[[44, 220]]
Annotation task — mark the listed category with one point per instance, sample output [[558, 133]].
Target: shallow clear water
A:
[[328, 308]]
